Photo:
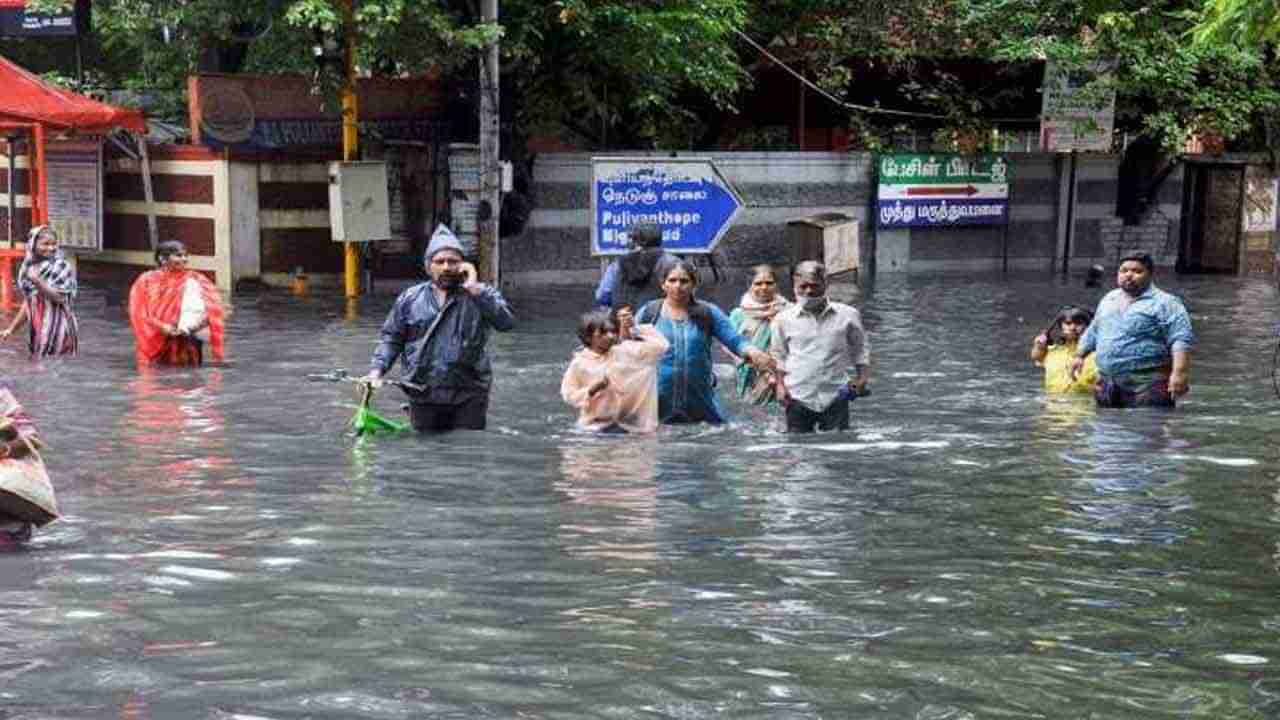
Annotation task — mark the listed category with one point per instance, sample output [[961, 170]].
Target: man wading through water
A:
[[1143, 339], [634, 278], [822, 352], [440, 329]]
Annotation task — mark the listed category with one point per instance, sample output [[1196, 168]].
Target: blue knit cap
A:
[[442, 239]]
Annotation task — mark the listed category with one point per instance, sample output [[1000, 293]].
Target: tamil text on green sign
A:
[[938, 190]]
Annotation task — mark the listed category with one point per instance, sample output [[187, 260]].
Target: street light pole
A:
[[350, 134], [490, 165]]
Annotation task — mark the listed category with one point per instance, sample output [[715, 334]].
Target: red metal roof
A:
[[27, 100]]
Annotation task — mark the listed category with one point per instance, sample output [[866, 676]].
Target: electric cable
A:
[[854, 106]]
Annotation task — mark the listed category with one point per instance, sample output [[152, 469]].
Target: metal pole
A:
[[350, 135], [490, 166], [1071, 218], [13, 201], [148, 192]]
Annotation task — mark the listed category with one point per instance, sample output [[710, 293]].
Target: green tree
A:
[[615, 71], [1166, 86], [1249, 22]]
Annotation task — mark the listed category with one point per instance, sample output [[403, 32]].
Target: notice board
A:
[[75, 193]]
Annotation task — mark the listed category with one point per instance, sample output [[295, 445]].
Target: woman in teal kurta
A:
[[686, 384], [751, 320]]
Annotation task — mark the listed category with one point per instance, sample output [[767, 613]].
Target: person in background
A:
[[175, 312], [439, 330], [1055, 349], [613, 380], [26, 495], [47, 282], [634, 278], [1142, 337], [823, 354], [751, 319], [686, 383]]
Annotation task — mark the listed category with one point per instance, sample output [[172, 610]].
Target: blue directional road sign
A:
[[687, 198]]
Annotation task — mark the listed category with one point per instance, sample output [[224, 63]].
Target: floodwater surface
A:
[[970, 549]]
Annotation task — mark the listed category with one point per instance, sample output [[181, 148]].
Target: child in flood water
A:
[[613, 380], [1055, 348]]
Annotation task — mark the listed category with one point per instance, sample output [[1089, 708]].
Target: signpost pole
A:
[[148, 193], [350, 135]]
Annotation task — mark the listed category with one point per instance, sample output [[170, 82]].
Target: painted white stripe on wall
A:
[[144, 257], [305, 173], [1032, 170], [1032, 213], [163, 209], [783, 168], [19, 161], [22, 201], [294, 219], [551, 219], [165, 167], [223, 275]]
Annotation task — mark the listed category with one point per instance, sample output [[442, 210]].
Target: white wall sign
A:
[[1072, 119], [75, 193]]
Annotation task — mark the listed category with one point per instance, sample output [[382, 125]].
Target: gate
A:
[[1213, 196]]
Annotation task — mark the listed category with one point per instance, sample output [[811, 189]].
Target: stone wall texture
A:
[[554, 247]]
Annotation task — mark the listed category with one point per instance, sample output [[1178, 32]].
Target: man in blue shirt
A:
[[1142, 336]]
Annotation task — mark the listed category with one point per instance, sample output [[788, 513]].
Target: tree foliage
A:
[[1166, 86], [633, 73], [1248, 22]]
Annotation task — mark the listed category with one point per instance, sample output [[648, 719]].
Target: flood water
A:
[[969, 550]]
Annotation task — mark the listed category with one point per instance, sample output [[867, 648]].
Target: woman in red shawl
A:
[[175, 312]]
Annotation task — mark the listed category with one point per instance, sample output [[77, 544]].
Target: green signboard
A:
[[939, 189]]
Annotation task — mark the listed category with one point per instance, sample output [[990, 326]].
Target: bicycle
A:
[[366, 421]]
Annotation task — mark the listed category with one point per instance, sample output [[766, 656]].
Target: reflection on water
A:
[[969, 549]]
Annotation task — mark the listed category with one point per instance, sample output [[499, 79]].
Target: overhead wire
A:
[[855, 106]]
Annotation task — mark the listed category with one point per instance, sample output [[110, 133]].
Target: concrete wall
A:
[[21, 197], [1100, 237], [554, 247], [189, 186], [240, 219], [293, 202], [777, 187]]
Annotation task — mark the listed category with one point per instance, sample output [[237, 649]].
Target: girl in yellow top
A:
[[1055, 348]]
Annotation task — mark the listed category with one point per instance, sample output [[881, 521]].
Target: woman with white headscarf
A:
[[48, 284]]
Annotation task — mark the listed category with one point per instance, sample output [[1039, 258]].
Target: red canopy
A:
[[29, 101]]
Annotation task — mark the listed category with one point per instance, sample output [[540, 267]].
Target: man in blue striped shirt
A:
[[1142, 336]]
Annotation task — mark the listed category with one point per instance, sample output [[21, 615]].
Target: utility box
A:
[[829, 238], [359, 209]]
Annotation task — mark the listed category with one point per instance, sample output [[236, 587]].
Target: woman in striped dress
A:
[[48, 284]]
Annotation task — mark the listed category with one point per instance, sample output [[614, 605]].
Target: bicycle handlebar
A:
[[341, 375]]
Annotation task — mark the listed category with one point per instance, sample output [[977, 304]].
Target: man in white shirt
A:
[[822, 352]]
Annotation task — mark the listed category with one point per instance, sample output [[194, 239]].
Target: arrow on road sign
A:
[[942, 190], [687, 198]]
